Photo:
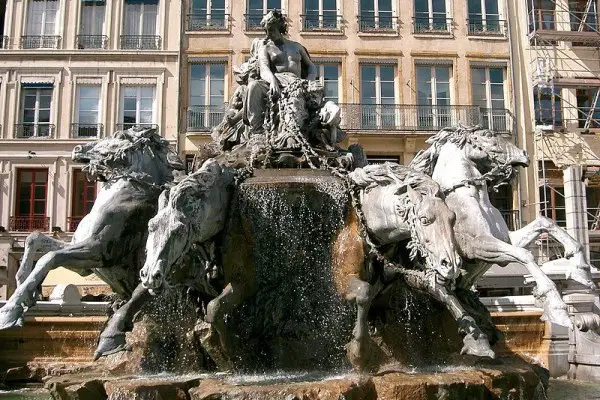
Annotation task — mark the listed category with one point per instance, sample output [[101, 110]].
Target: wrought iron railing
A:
[[497, 119], [28, 223], [401, 117], [34, 130], [40, 42], [252, 21], [377, 23], [323, 22], [140, 42], [73, 223], [435, 24], [512, 218], [4, 42], [86, 130], [91, 42], [204, 118], [211, 22], [125, 126], [489, 26]]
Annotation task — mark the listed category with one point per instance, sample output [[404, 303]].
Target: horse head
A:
[[489, 149], [432, 233], [137, 153], [191, 212]]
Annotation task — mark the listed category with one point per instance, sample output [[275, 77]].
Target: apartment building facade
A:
[[72, 71]]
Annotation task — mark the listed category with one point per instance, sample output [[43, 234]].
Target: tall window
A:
[[140, 25], [207, 14], [320, 14], [256, 10], [36, 111], [588, 108], [541, 15], [547, 106], [207, 95], [41, 25], [433, 97], [487, 85], [91, 26], [84, 195], [430, 15], [377, 95], [484, 16], [137, 104], [376, 15], [583, 14], [32, 185], [88, 112], [329, 77], [552, 203]]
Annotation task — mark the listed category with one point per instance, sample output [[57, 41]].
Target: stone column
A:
[[576, 206]]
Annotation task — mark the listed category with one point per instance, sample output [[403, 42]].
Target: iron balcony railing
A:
[[488, 26], [497, 119], [211, 22], [140, 42], [435, 24], [253, 21], [28, 130], [512, 218], [401, 117], [86, 130], [204, 118], [4, 42], [323, 22], [27, 223], [91, 42], [125, 126], [40, 42], [73, 223], [377, 23]]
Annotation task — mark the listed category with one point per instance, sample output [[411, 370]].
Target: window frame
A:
[[31, 215], [322, 24], [141, 18], [432, 17], [206, 19], [36, 110], [44, 18], [76, 173], [321, 77], [386, 114], [138, 110], [363, 24], [485, 19], [77, 111], [436, 118]]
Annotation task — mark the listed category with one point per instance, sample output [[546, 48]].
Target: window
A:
[[32, 189], [137, 106], [552, 204], [547, 106], [207, 95], [88, 112], [377, 95], [484, 17], [375, 15], [91, 25], [140, 25], [329, 77], [256, 10], [41, 25], [320, 15], [503, 201], [583, 14], [541, 15], [592, 194], [84, 195], [588, 108], [382, 159], [207, 15], [487, 87], [36, 111], [433, 97], [430, 16]]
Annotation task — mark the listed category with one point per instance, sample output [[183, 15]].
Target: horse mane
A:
[[193, 187], [372, 176]]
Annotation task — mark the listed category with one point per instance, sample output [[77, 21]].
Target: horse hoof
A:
[[479, 347], [11, 316], [364, 355], [110, 345]]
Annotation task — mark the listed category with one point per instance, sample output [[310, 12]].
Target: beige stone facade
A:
[[71, 71]]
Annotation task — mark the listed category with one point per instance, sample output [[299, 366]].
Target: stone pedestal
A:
[[576, 206]]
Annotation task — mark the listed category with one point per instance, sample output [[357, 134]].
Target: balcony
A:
[[204, 118], [491, 26], [91, 42], [432, 25], [253, 21], [73, 223], [401, 117], [377, 23], [321, 23], [40, 42], [86, 130], [125, 126], [4, 42], [512, 219], [140, 42], [497, 119], [28, 223], [27, 130], [211, 22]]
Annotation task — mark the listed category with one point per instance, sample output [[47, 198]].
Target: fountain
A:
[[284, 267]]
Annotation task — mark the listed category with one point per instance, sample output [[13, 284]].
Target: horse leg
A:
[[36, 242], [494, 251], [112, 338], [81, 255], [579, 269]]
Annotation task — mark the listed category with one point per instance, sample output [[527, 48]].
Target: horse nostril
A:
[[78, 149], [143, 274], [445, 262], [157, 276]]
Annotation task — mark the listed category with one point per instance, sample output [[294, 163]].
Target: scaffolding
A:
[[564, 46]]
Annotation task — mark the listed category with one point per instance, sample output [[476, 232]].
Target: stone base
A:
[[513, 379]]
